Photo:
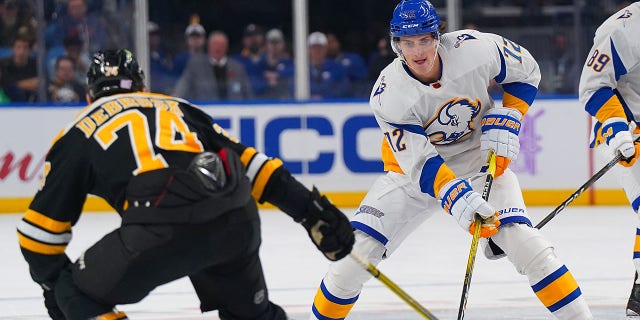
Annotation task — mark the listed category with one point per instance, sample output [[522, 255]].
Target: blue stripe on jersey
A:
[[335, 299], [565, 301], [635, 204], [597, 100], [503, 68], [625, 106], [410, 127], [521, 90], [618, 66], [636, 255], [370, 231], [428, 175]]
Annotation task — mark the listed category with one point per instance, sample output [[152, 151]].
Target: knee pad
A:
[[525, 246]]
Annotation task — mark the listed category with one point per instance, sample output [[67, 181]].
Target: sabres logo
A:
[[625, 14], [380, 87], [461, 38], [408, 14], [453, 121]]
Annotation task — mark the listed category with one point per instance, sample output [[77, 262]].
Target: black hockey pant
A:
[[221, 258]]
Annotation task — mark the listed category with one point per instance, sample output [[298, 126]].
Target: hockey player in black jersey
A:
[[186, 192]]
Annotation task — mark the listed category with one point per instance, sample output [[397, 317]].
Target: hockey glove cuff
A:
[[329, 229], [500, 129], [460, 201], [619, 139]]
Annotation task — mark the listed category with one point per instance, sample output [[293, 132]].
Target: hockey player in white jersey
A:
[[439, 124], [610, 92]]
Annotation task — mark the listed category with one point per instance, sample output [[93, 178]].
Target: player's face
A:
[[420, 53]]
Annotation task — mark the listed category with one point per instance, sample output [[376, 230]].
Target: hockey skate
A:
[[633, 305]]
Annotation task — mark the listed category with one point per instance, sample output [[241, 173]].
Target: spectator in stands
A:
[[77, 21], [14, 16], [75, 50], [380, 58], [19, 72], [160, 68], [214, 76], [328, 79], [353, 64], [250, 56], [195, 39], [560, 73], [277, 67], [65, 87]]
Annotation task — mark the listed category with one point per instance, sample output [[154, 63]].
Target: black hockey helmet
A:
[[114, 71]]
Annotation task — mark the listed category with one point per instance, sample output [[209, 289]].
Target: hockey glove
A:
[[500, 129], [328, 227], [618, 137], [52, 305], [460, 201]]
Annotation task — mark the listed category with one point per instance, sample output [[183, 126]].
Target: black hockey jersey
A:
[[116, 138]]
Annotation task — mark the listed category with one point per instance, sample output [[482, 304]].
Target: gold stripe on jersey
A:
[[247, 155], [40, 220], [263, 177], [39, 247], [444, 175], [511, 101], [259, 169], [611, 108], [388, 159]]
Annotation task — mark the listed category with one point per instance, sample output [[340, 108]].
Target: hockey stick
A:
[[393, 287], [582, 188], [491, 170]]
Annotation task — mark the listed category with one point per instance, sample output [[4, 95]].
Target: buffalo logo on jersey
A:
[[461, 38], [626, 14], [453, 121]]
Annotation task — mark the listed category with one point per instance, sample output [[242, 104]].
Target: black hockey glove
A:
[[52, 305], [328, 227]]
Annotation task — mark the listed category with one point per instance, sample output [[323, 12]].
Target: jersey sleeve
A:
[[271, 181], [516, 70], [611, 55], [45, 229]]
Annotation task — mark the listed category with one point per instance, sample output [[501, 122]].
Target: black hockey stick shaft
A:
[[394, 287], [582, 188], [491, 170]]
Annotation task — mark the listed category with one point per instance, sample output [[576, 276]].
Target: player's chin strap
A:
[[393, 287], [490, 168]]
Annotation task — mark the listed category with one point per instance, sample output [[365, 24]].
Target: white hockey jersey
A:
[[610, 80], [432, 130]]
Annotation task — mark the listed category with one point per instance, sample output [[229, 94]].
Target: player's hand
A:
[[52, 305], [500, 129], [618, 137], [460, 201], [328, 227]]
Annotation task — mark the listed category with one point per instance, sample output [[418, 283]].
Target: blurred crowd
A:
[[206, 65]]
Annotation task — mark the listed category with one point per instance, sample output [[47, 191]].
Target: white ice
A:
[[596, 244]]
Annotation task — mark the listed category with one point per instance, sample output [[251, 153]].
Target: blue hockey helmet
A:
[[414, 17]]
